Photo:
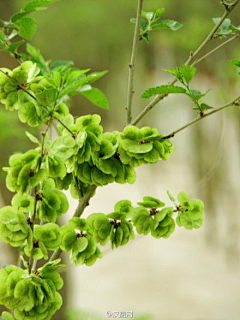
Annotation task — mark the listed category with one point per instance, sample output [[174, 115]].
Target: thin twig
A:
[[130, 91], [55, 117], [192, 56], [30, 263], [215, 49], [82, 204], [233, 102], [210, 36]]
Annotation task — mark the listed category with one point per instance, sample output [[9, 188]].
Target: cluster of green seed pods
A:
[[31, 296], [141, 146], [14, 228], [16, 94], [46, 237], [77, 239], [23, 173], [51, 202], [191, 212]]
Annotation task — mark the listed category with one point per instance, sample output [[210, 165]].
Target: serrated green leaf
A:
[[164, 89], [97, 97], [27, 27], [18, 16], [188, 72], [33, 5]]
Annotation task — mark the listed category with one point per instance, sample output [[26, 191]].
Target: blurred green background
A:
[[97, 34]]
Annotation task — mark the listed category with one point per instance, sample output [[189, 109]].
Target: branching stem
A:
[[191, 58], [231, 103], [210, 36], [30, 263], [55, 117], [215, 49], [130, 90]]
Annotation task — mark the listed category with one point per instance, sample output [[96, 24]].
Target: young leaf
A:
[[158, 13], [95, 76], [164, 89], [196, 95], [97, 97], [32, 138], [205, 106], [14, 46], [175, 72], [18, 16], [36, 55], [27, 27], [63, 64], [171, 197], [33, 5], [167, 24], [188, 72], [147, 15], [12, 35], [235, 62]]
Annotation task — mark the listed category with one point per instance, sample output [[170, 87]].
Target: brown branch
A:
[[132, 63], [233, 102]]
